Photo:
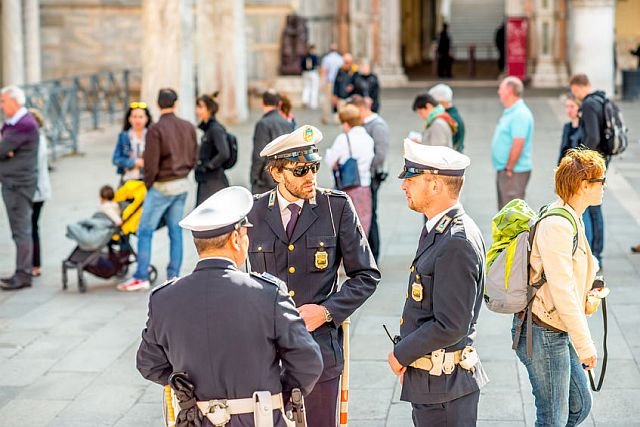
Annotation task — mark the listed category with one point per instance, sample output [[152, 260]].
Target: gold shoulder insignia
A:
[[442, 225]]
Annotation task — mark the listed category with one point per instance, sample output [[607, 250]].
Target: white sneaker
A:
[[132, 285]]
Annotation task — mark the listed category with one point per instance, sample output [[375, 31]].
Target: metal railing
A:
[[82, 102]]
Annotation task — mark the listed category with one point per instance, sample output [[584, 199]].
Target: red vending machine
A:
[[516, 51]]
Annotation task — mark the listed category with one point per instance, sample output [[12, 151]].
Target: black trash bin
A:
[[630, 84]]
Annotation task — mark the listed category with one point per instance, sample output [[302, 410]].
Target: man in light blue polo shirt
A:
[[512, 145]]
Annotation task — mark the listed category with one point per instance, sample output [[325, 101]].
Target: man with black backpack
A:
[[603, 130]]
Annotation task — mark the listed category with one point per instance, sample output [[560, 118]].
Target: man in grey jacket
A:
[[439, 126], [378, 129], [18, 176], [270, 126]]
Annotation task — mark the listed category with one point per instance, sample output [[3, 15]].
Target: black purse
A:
[[347, 175]]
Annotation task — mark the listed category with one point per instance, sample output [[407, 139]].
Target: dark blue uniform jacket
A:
[[450, 266], [321, 233], [232, 332]]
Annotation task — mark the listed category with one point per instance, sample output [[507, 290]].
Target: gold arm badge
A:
[[321, 259]]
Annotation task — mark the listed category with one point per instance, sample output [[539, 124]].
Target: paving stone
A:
[[23, 371], [31, 412], [58, 386], [367, 375], [142, 414], [369, 404], [399, 415]]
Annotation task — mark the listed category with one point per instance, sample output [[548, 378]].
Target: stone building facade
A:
[[234, 45]]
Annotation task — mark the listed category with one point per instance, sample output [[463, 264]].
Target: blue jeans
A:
[[558, 382], [594, 229], [157, 206]]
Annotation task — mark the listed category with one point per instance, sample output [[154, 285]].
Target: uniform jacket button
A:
[[321, 244], [259, 248], [292, 270], [292, 293], [412, 268], [290, 248]]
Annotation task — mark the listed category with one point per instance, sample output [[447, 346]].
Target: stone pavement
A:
[[68, 359]]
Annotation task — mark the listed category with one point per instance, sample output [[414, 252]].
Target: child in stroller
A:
[[104, 248]]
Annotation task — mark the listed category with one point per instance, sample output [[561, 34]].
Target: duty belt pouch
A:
[[262, 409], [469, 358], [218, 414], [449, 363], [437, 358]]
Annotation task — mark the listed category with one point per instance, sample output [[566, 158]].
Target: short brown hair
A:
[[357, 100], [106, 192], [277, 164], [350, 114], [576, 166], [580, 79], [218, 242]]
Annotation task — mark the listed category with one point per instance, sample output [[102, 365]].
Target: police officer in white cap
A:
[[434, 353], [302, 234], [232, 333]]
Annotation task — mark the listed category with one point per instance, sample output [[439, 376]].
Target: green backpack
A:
[[508, 288]]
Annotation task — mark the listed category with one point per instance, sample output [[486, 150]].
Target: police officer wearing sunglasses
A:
[[301, 234]]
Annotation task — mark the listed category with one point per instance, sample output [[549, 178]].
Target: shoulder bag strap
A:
[[603, 370], [348, 144]]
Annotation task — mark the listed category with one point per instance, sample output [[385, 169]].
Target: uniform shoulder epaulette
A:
[[165, 284], [268, 278], [332, 192], [261, 195]]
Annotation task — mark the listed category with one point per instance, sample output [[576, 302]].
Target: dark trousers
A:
[[511, 187], [461, 412], [374, 232], [321, 404], [19, 207], [35, 232]]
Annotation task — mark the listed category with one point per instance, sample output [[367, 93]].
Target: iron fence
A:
[[82, 102]]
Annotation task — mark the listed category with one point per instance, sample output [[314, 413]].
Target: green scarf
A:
[[434, 114]]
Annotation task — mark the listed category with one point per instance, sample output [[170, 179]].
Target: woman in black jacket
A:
[[214, 149]]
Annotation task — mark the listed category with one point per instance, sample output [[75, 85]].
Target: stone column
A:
[[32, 40], [344, 44], [549, 72], [167, 53], [592, 41], [12, 43], [222, 56], [389, 66]]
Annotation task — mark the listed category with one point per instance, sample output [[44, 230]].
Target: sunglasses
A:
[[600, 180], [138, 104], [300, 171]]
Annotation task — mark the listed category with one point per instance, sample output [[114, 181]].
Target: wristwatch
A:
[[328, 318]]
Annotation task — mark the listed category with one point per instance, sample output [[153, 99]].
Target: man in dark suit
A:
[[270, 126], [18, 176], [232, 333], [302, 234], [442, 374]]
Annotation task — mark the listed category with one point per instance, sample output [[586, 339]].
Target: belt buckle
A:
[[217, 412]]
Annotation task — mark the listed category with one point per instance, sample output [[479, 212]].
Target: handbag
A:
[[347, 175]]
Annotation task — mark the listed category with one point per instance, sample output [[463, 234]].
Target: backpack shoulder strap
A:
[[567, 215]]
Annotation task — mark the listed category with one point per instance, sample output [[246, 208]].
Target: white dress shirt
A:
[[285, 213]]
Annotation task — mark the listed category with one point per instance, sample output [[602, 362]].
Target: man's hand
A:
[[589, 363], [313, 316], [139, 163], [396, 367]]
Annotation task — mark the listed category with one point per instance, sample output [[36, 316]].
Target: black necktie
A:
[[295, 213]]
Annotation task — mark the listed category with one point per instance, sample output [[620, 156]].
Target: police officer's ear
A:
[[276, 174]]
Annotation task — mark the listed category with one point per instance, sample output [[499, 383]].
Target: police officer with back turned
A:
[[301, 234], [442, 374], [237, 337]]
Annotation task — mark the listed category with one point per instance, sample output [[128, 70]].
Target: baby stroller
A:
[[104, 249]]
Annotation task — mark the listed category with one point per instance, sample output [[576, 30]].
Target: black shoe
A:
[[635, 249], [15, 285], [7, 280]]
